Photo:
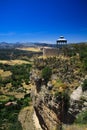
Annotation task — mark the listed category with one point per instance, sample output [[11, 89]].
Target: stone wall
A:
[[50, 52]]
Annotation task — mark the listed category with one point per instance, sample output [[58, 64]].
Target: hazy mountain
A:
[[6, 45]]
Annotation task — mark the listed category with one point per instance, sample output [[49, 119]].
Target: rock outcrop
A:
[[61, 99], [50, 110]]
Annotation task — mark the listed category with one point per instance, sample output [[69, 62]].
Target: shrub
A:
[[15, 126], [56, 94], [84, 86], [46, 73], [66, 100], [82, 118]]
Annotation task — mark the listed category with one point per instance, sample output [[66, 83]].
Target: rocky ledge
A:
[[57, 103]]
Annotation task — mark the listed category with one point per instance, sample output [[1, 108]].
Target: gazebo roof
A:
[[61, 39]]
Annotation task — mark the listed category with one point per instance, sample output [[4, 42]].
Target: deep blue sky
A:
[[43, 20]]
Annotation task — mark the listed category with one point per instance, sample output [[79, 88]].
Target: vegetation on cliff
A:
[[82, 118], [46, 74], [57, 78], [81, 49], [68, 72], [84, 86]]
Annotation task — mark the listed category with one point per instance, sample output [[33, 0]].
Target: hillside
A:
[[48, 93], [15, 90], [59, 90]]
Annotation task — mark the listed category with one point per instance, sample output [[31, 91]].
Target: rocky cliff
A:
[[59, 100]]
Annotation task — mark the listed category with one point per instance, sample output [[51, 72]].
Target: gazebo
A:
[[61, 42]]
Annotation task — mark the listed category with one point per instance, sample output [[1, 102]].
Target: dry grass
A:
[[33, 49], [13, 62], [58, 85], [4, 98], [75, 127], [15, 94], [5, 91], [28, 87], [5, 74]]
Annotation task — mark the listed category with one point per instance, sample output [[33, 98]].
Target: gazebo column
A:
[[61, 42]]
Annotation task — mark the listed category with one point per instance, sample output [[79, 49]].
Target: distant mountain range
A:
[[5, 45]]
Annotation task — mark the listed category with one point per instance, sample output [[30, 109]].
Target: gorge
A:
[[60, 99]]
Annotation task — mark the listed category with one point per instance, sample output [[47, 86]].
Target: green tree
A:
[[84, 86], [46, 74]]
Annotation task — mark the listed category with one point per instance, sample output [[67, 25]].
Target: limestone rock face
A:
[[51, 109], [47, 117], [78, 101], [76, 95], [48, 109]]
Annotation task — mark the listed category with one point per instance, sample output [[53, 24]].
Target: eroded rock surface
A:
[[25, 118]]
